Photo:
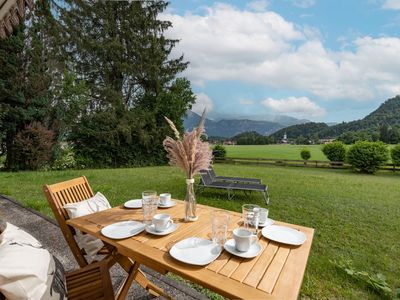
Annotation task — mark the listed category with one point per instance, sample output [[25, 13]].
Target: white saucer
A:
[[253, 251], [136, 203], [122, 230], [267, 222], [283, 234], [169, 204], [196, 251], [171, 228]]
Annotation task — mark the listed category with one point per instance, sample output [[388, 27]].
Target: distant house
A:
[[326, 141], [229, 142]]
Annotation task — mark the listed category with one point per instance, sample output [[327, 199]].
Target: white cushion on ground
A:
[[97, 203], [23, 265]]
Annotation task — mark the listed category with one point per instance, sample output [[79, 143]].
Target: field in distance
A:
[[274, 151]]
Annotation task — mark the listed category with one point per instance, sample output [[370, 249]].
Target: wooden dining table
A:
[[276, 273]]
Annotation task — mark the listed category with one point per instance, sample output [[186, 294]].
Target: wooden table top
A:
[[276, 273]]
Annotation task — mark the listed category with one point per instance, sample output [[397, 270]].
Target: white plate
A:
[[136, 203], [283, 234], [195, 251], [169, 204], [253, 251], [151, 229], [122, 230], [267, 222]]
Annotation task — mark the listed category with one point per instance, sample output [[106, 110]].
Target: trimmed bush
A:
[[335, 151], [368, 156], [33, 147], [219, 151], [305, 154], [395, 153]]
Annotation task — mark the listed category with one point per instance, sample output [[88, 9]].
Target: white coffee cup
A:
[[165, 198], [244, 238], [162, 222], [263, 215]]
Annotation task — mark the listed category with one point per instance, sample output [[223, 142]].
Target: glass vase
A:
[[190, 201]]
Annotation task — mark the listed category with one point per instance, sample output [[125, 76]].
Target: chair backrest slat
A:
[[59, 194]]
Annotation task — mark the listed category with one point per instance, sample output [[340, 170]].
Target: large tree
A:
[[120, 50], [25, 83]]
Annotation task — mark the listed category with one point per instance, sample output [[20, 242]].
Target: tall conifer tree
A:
[[26, 80], [119, 49]]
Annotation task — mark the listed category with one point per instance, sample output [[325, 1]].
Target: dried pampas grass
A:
[[189, 152]]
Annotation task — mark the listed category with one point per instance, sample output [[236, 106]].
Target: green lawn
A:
[[355, 216], [274, 151]]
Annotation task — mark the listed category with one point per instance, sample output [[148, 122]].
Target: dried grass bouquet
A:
[[188, 152]]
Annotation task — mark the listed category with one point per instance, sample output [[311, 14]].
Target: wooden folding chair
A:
[[90, 282], [76, 190]]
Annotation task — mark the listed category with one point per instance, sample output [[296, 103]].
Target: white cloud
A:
[[391, 4], [246, 102], [300, 107], [263, 48], [202, 102], [258, 5], [304, 3]]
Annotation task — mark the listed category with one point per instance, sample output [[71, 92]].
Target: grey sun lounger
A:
[[214, 177], [231, 187]]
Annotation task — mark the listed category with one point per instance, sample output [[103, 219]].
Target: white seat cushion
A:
[[95, 204], [27, 271]]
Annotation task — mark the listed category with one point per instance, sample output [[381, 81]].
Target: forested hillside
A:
[[382, 124]]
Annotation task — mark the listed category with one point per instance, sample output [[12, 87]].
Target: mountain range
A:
[[230, 127], [388, 113]]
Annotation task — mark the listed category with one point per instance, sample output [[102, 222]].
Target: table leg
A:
[[135, 274]]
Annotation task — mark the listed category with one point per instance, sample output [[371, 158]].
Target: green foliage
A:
[[395, 154], [377, 282], [33, 147], [305, 154], [27, 78], [251, 138], [368, 156], [130, 79], [309, 131], [219, 151], [335, 151], [66, 159]]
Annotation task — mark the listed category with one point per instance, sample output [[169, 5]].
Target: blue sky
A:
[[324, 60]]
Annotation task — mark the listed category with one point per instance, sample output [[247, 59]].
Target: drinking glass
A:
[[149, 205], [251, 215], [219, 226]]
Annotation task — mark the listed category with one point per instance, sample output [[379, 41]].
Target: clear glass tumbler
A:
[[219, 226], [251, 215], [149, 205]]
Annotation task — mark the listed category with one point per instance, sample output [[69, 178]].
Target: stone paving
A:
[[49, 234]]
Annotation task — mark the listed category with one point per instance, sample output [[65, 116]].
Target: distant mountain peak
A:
[[230, 127]]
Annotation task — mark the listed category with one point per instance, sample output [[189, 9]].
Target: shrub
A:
[[32, 147], [219, 151], [335, 151], [66, 159], [395, 154], [368, 156], [305, 154]]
